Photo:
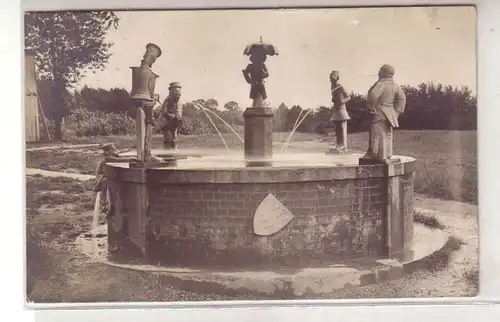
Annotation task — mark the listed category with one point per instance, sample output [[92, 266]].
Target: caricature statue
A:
[[109, 154], [385, 101], [339, 116], [170, 118], [254, 74], [143, 86]]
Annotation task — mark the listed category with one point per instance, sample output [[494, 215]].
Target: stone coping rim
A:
[[120, 172]]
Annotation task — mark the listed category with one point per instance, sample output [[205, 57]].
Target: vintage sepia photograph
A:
[[219, 155]]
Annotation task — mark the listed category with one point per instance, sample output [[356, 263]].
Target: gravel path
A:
[[68, 146], [46, 173]]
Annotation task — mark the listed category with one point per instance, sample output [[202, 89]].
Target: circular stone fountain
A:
[[242, 219], [318, 209]]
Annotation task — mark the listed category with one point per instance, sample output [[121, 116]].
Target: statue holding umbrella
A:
[[258, 118], [256, 71]]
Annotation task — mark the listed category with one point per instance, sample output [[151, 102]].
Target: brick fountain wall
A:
[[203, 218]]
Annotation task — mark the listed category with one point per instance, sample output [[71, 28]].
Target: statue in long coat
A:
[[385, 101]]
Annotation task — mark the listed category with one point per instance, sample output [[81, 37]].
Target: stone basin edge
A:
[[269, 174]]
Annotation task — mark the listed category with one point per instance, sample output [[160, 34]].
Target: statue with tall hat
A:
[[144, 97], [339, 111], [385, 101]]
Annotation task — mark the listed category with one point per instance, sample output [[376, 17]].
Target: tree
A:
[[280, 118], [66, 45], [292, 117], [114, 100], [322, 119], [232, 113], [232, 106], [211, 104]]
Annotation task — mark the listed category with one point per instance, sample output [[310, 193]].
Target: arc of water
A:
[[297, 119], [293, 127], [95, 222], [216, 129], [220, 119], [287, 142]]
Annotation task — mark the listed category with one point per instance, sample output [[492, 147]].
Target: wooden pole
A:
[[140, 133], [40, 109]]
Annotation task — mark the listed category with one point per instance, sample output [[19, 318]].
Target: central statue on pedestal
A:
[[254, 74], [259, 117]]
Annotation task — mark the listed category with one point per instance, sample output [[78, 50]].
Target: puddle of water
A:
[[94, 243]]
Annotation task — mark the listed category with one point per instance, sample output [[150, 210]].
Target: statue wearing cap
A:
[[143, 95], [170, 118], [339, 115], [385, 101], [109, 154]]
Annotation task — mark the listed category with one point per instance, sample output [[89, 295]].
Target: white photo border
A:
[[488, 94]]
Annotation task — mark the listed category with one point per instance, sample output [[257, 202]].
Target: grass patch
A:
[[46, 226], [440, 259], [61, 160], [70, 185], [427, 219], [55, 191]]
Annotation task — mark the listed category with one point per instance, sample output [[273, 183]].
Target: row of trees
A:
[[429, 106]]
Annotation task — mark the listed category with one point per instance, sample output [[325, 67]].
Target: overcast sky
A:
[[203, 50]]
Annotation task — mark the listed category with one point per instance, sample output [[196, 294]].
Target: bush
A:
[[198, 126], [429, 220], [196, 122], [97, 123], [51, 128]]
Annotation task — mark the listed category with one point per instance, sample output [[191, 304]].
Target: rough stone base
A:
[[288, 282]]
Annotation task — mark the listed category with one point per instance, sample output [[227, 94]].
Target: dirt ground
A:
[[59, 209]]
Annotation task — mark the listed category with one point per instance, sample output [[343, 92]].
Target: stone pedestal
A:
[[127, 225], [258, 135], [398, 207], [398, 203]]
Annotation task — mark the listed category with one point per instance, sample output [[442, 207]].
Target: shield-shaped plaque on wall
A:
[[270, 217]]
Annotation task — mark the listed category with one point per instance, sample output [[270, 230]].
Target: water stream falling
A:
[[295, 127], [220, 119], [216, 129], [95, 221]]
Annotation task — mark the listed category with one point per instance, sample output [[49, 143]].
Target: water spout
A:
[[216, 129], [220, 119], [295, 127], [95, 221]]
